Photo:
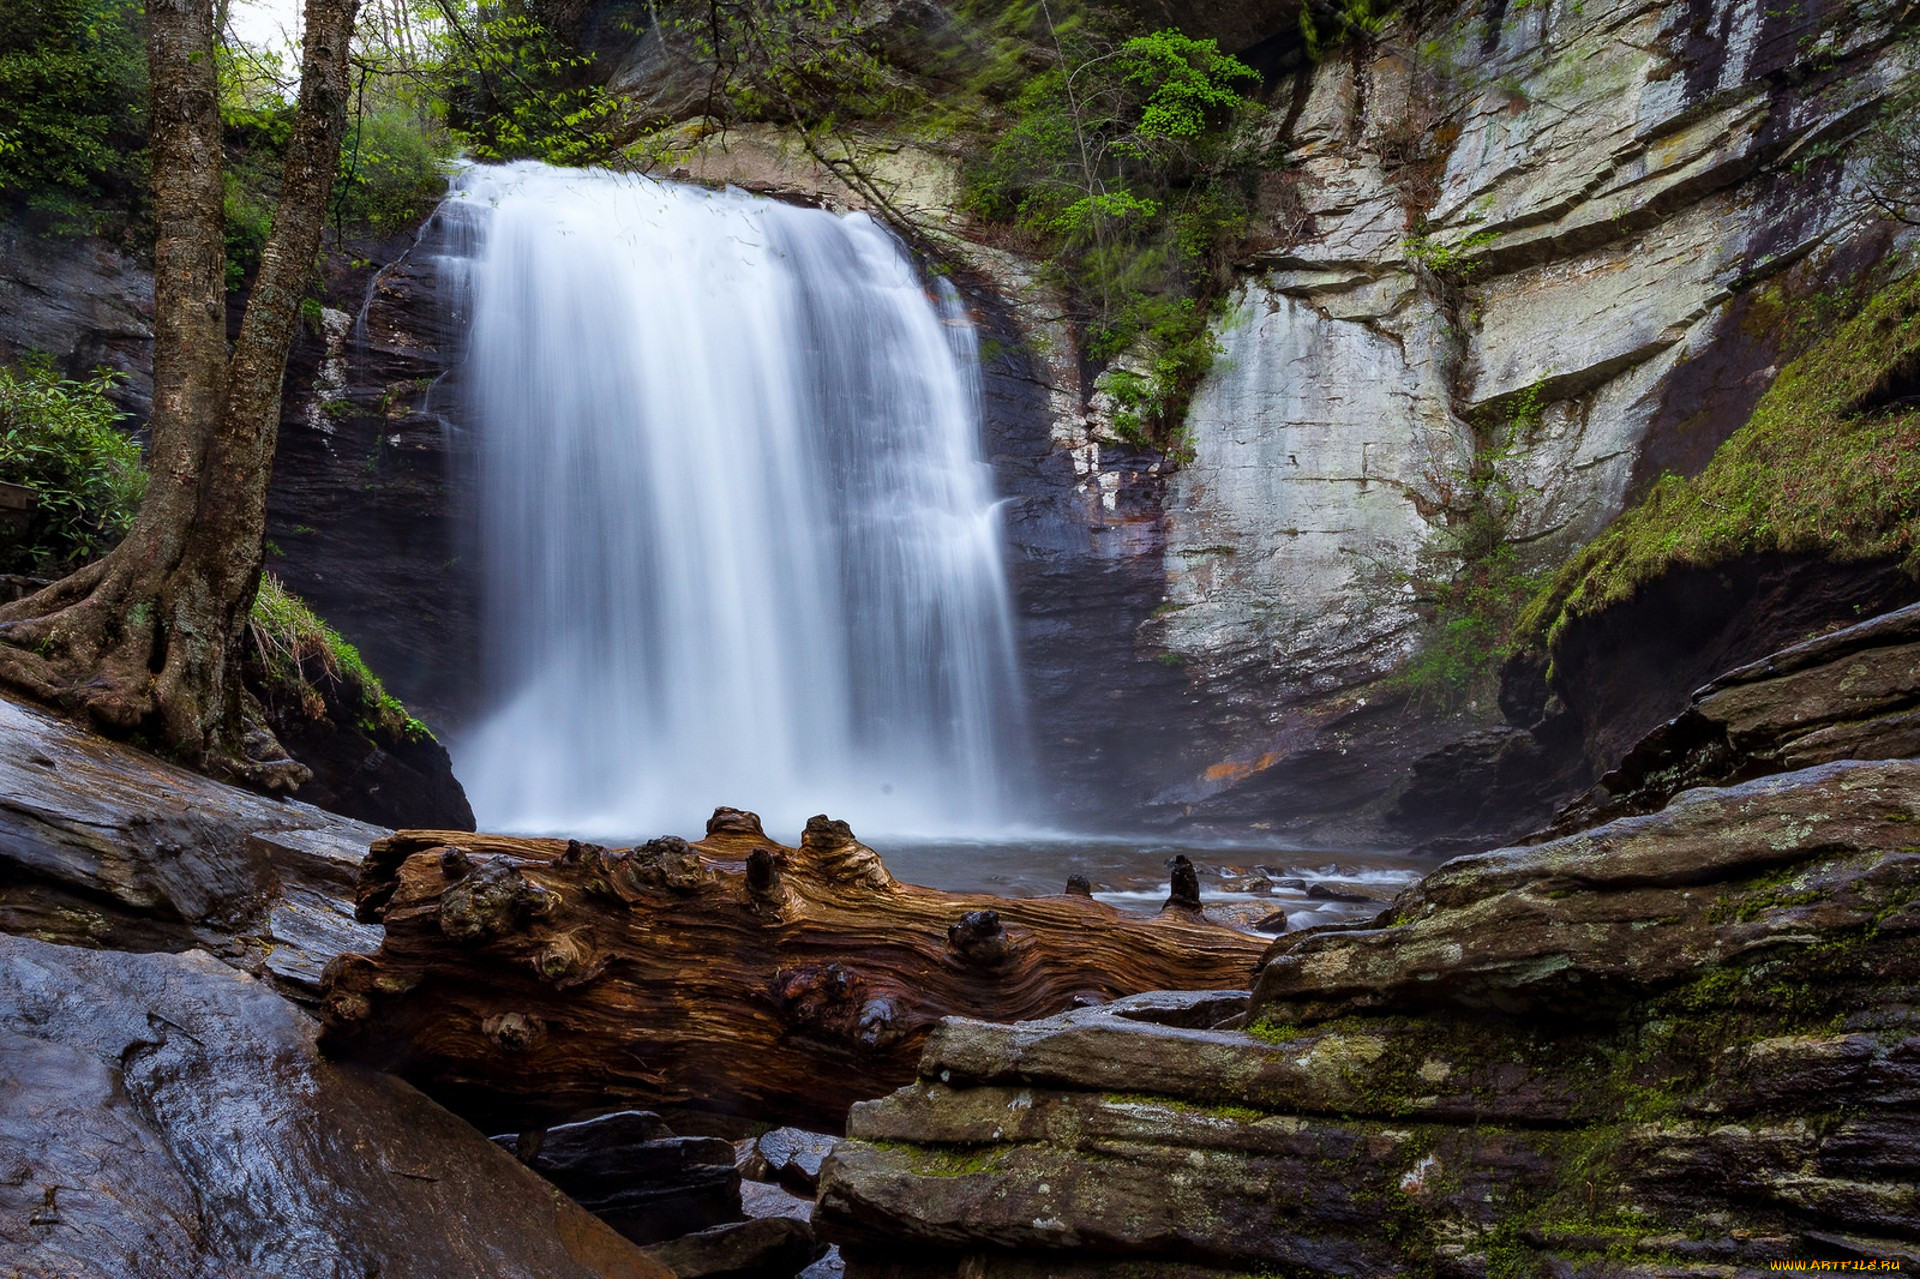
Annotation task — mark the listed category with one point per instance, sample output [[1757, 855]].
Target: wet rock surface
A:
[[105, 846], [792, 1157], [165, 1116], [767, 1248], [632, 1172], [1677, 1043], [363, 521], [80, 300]]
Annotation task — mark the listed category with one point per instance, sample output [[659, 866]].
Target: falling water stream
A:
[[738, 541]]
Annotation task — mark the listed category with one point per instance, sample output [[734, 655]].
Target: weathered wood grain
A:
[[528, 981]]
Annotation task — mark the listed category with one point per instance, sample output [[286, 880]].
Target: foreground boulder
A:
[[164, 1115], [103, 845], [631, 1172], [1851, 694], [1683, 1042], [1677, 1040]]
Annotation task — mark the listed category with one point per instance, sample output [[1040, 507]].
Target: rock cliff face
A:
[[1678, 1043], [1540, 255], [81, 301]]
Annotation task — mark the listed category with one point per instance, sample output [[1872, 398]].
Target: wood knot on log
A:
[[514, 1032], [671, 861], [579, 854], [822, 998], [566, 962], [766, 891], [1185, 894], [830, 846], [735, 821], [496, 898], [980, 939]]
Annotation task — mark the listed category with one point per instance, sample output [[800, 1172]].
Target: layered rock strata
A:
[[105, 846], [1680, 1043]]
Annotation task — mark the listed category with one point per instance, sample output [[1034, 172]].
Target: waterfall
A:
[[738, 541]]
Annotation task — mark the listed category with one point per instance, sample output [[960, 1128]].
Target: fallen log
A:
[[527, 982]]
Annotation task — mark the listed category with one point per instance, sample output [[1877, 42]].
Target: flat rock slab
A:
[[104, 845], [163, 1116]]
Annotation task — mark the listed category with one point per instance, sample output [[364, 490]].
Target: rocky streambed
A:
[[1673, 1036]]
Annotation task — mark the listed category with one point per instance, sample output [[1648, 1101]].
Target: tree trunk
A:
[[150, 637], [527, 982]]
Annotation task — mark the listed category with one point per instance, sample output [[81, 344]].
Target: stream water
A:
[[739, 543]]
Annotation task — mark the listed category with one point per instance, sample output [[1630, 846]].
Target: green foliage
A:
[[1116, 162], [1456, 262], [392, 167], [306, 665], [513, 89], [806, 63], [61, 439], [1829, 465], [393, 171], [72, 110], [1476, 608]]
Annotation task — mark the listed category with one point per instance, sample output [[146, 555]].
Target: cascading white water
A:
[[738, 541]]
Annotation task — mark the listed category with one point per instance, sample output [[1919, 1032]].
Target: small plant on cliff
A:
[[1325, 27], [1476, 607], [1118, 162], [61, 439], [304, 664]]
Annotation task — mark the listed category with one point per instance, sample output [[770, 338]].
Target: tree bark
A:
[[529, 982], [150, 637]]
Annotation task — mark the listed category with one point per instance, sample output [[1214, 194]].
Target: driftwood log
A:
[[526, 982]]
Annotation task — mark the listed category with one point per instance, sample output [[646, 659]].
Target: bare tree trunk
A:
[[150, 637]]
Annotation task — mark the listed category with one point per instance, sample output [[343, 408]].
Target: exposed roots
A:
[[106, 645]]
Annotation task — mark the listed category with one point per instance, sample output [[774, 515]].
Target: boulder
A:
[[164, 1115], [769, 1248], [764, 1199], [630, 1172], [793, 1157], [1682, 1042], [1853, 693], [104, 845]]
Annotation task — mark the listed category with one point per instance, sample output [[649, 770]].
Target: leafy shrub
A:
[[1117, 162], [513, 89], [61, 439], [392, 173], [72, 109]]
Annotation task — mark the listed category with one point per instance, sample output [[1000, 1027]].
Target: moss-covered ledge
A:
[[1828, 466]]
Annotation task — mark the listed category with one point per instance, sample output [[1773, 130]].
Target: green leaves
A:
[[60, 438], [72, 108], [1117, 160], [1187, 84]]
